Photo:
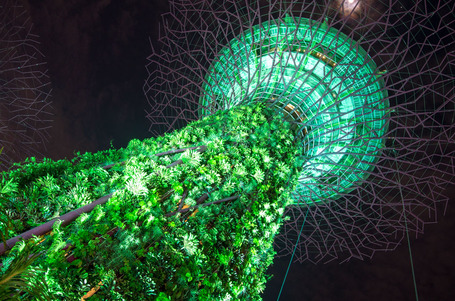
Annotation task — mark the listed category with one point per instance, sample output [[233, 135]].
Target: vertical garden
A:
[[188, 216]]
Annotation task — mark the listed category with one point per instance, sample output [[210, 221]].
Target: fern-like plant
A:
[[18, 280]]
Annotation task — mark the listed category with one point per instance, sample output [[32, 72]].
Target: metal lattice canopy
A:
[[330, 87], [25, 108], [369, 85]]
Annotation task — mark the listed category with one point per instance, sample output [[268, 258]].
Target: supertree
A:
[[369, 85], [311, 115], [24, 87]]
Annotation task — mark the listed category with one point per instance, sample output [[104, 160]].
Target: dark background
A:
[[96, 52]]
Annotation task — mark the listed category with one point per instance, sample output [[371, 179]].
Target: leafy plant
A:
[[19, 280], [191, 215]]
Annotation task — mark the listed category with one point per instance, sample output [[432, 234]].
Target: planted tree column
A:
[[192, 214]]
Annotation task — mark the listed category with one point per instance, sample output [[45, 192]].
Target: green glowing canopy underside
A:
[[324, 81]]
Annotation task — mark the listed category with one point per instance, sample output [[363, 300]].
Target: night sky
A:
[[96, 52]]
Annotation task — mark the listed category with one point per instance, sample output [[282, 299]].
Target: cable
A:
[[409, 241], [293, 253]]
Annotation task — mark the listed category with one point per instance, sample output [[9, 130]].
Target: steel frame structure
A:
[[204, 48]]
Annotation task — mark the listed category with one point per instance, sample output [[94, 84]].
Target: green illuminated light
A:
[[324, 76]]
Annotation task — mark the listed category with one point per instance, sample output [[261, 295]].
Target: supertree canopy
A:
[[24, 86], [368, 85], [342, 119]]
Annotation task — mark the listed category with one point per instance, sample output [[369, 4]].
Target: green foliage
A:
[[32, 193], [18, 279], [138, 244]]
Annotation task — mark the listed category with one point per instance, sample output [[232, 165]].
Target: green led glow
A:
[[325, 80]]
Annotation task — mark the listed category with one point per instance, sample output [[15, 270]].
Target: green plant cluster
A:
[[192, 225], [32, 192]]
